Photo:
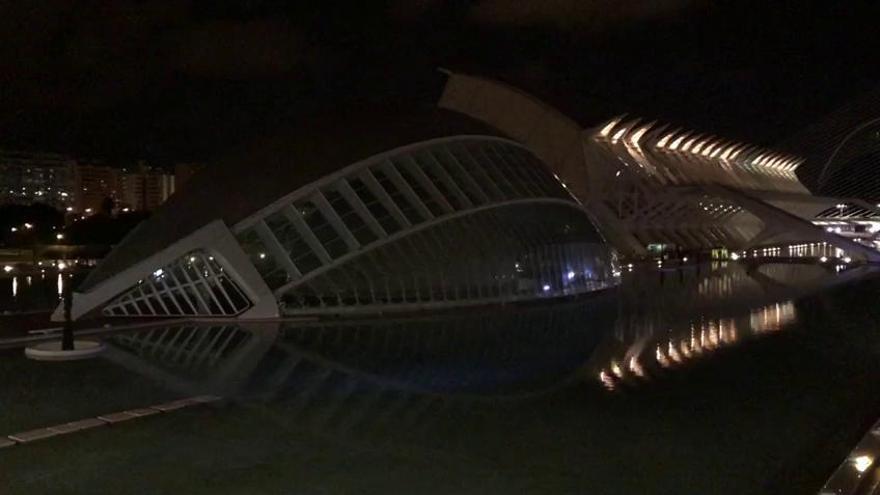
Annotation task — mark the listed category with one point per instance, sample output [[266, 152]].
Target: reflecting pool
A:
[[715, 378]]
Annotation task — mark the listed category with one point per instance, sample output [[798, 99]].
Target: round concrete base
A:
[[51, 351]]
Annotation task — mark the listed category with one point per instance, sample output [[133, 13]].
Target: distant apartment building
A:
[[144, 188], [83, 187], [183, 172], [95, 183], [27, 177]]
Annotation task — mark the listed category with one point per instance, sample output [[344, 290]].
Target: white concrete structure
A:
[[451, 220], [648, 183]]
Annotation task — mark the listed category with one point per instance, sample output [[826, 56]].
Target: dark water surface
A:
[[711, 379]]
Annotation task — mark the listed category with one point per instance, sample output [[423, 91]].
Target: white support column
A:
[[384, 198], [303, 229], [449, 182], [416, 170], [404, 187], [360, 208], [472, 184], [333, 219], [273, 245]]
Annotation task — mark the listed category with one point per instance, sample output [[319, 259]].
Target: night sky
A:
[[177, 80]]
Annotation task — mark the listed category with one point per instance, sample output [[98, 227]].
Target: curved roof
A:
[[239, 184]]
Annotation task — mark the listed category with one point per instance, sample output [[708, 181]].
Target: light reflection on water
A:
[[36, 292], [503, 384], [681, 345], [658, 320]]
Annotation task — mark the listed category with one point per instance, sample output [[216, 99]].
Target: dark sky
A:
[[180, 80]]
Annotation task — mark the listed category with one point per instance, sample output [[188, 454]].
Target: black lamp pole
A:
[[67, 332]]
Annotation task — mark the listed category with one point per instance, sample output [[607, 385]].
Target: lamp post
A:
[[67, 330]]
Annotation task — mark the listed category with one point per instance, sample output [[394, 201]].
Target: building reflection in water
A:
[[345, 374], [679, 346], [479, 354]]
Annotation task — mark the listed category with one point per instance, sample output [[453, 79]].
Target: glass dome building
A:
[[414, 211]]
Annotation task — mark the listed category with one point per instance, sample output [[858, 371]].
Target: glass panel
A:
[[272, 272], [358, 227], [297, 248], [323, 230], [409, 211], [376, 208]]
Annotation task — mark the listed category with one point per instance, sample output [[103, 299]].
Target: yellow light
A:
[[862, 463], [607, 129], [664, 140], [615, 368]]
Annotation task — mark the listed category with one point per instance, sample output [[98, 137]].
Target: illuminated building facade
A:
[[27, 178], [650, 184]]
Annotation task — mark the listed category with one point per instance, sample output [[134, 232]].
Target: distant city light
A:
[[69, 208], [8, 268], [88, 210], [62, 265], [158, 273], [262, 256], [14, 229], [684, 259], [823, 259], [59, 236], [734, 256], [28, 226], [862, 463], [125, 210], [546, 287], [570, 275], [847, 259]]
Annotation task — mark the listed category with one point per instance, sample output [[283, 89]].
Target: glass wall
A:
[[364, 238], [194, 285], [501, 254]]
